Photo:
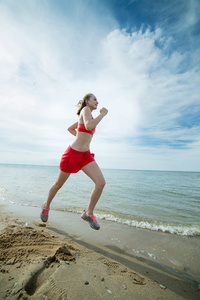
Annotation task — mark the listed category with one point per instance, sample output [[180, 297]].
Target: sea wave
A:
[[180, 229], [175, 193], [189, 230]]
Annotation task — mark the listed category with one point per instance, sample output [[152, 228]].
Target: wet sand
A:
[[58, 260]]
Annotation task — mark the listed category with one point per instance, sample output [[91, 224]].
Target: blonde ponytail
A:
[[83, 103]]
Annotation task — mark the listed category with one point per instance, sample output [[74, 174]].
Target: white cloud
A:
[[191, 16]]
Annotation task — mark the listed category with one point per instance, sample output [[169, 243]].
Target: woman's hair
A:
[[82, 103]]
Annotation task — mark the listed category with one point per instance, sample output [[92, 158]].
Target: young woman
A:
[[78, 157]]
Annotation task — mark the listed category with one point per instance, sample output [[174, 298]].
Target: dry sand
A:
[[35, 264]]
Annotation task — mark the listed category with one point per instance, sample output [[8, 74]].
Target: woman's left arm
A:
[[72, 128]]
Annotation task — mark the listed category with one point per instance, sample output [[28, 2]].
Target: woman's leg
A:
[[93, 171], [62, 177]]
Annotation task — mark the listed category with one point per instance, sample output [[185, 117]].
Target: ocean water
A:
[[156, 200]]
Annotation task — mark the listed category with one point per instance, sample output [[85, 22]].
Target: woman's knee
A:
[[101, 183], [58, 185]]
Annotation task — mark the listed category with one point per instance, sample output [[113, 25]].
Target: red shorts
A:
[[73, 161]]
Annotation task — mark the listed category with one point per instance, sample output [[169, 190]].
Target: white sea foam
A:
[[2, 192], [170, 228], [152, 256]]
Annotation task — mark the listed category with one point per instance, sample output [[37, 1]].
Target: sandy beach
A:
[[40, 261]]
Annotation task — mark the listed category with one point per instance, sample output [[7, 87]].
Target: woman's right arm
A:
[[87, 118]]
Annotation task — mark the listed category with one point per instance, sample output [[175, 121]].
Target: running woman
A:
[[78, 157]]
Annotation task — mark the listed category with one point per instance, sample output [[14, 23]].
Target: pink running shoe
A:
[[44, 213], [91, 219]]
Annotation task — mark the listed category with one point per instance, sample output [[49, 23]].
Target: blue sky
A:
[[141, 59]]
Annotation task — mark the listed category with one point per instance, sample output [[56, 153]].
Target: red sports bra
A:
[[81, 128]]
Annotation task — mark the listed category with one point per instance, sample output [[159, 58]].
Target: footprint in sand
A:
[[27, 246], [43, 277]]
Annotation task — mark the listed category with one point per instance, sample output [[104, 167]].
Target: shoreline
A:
[[139, 251]]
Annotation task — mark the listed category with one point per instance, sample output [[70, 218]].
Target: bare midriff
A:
[[82, 142]]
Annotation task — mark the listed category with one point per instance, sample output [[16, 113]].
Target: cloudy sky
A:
[[141, 59]]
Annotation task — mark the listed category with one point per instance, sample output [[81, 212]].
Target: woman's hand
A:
[[103, 111]]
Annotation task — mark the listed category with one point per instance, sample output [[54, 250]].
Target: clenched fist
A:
[[103, 111]]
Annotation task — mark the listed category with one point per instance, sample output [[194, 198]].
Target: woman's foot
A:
[[44, 213], [91, 220]]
